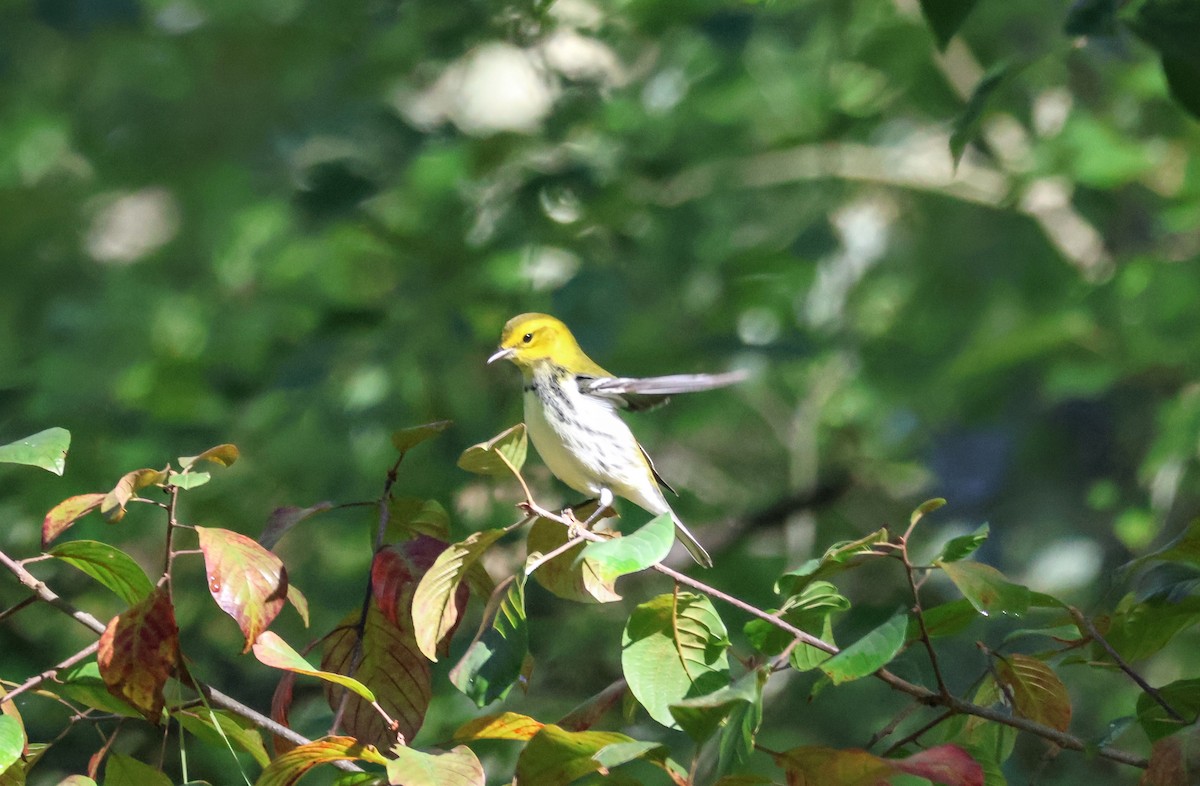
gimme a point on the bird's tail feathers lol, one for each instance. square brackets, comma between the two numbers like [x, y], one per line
[691, 544]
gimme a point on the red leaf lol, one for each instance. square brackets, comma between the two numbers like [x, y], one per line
[281, 704]
[391, 666]
[396, 572]
[138, 651]
[66, 513]
[248, 582]
[947, 764]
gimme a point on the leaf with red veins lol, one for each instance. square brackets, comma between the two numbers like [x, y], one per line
[138, 652]
[248, 582]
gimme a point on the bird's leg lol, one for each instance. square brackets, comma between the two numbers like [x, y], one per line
[604, 503]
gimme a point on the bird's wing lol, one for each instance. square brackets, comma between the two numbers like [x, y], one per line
[640, 393]
[654, 471]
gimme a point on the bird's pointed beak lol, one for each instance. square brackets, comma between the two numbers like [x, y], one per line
[501, 354]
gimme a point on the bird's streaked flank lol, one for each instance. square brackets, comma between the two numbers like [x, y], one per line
[571, 408]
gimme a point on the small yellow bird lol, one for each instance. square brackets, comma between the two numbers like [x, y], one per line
[571, 413]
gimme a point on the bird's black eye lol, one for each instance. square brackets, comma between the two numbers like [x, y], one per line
[527, 337]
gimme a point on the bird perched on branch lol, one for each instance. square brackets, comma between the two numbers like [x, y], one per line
[571, 408]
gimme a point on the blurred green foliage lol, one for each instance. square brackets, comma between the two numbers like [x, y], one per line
[298, 226]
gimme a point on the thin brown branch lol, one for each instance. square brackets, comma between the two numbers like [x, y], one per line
[922, 694]
[916, 735]
[913, 587]
[1086, 624]
[213, 695]
[50, 673]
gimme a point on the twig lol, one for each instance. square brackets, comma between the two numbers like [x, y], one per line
[38, 679]
[213, 695]
[916, 735]
[887, 730]
[1122, 664]
[920, 614]
[924, 695]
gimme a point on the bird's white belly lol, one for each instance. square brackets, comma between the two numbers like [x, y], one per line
[551, 440]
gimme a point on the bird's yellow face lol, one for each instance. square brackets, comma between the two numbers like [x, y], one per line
[530, 338]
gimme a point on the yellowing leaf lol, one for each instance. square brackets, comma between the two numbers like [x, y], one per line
[505, 726]
[1037, 692]
[248, 582]
[434, 608]
[66, 513]
[224, 455]
[278, 654]
[289, 767]
[457, 767]
[112, 507]
[501, 454]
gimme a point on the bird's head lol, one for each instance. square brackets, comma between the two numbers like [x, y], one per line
[532, 338]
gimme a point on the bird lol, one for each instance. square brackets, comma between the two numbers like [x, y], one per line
[571, 415]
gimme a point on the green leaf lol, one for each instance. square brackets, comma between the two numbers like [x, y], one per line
[870, 653]
[557, 757]
[278, 654]
[120, 770]
[964, 545]
[46, 449]
[406, 439]
[810, 611]
[945, 17]
[618, 557]
[966, 125]
[12, 741]
[82, 683]
[289, 767]
[500, 455]
[836, 558]
[1138, 630]
[493, 661]
[108, 565]
[66, 513]
[618, 753]
[411, 517]
[219, 728]
[1182, 695]
[188, 480]
[456, 767]
[946, 619]
[569, 575]
[673, 648]
[924, 509]
[735, 710]
[434, 610]
[987, 589]
[945, 764]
